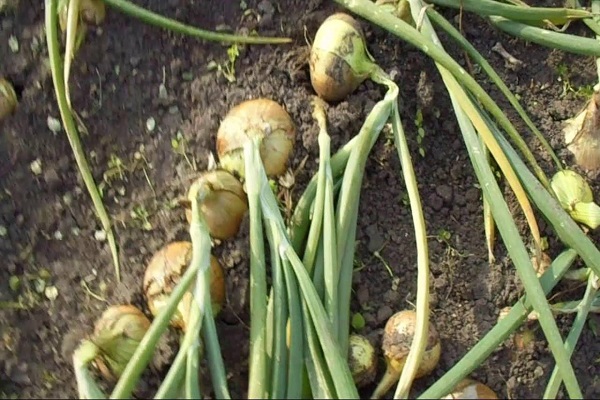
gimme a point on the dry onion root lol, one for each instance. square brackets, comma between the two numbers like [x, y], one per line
[339, 60]
[471, 389]
[117, 334]
[164, 272]
[258, 118]
[225, 204]
[8, 98]
[397, 338]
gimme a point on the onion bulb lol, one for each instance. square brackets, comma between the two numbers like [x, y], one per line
[471, 389]
[117, 334]
[8, 98]
[575, 196]
[164, 272]
[339, 60]
[362, 360]
[225, 205]
[397, 338]
[91, 12]
[258, 118]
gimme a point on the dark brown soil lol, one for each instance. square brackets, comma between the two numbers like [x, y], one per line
[50, 224]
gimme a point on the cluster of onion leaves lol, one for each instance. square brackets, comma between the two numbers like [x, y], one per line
[339, 62]
[182, 377]
[74, 16]
[481, 133]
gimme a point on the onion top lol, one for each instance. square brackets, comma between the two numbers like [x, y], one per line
[164, 272]
[117, 334]
[258, 118]
[398, 336]
[8, 98]
[362, 360]
[224, 206]
[339, 60]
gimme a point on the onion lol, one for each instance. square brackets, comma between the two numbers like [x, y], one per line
[339, 61]
[362, 360]
[225, 205]
[575, 196]
[8, 98]
[397, 338]
[259, 118]
[91, 12]
[471, 389]
[117, 334]
[164, 272]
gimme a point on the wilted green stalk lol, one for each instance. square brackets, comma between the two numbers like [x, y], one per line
[258, 371]
[200, 264]
[584, 308]
[56, 66]
[556, 15]
[398, 27]
[443, 23]
[160, 21]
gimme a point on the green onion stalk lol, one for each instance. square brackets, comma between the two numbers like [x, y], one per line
[307, 313]
[185, 362]
[339, 62]
[183, 373]
[152, 18]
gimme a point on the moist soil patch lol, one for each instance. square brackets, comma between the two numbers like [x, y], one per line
[152, 104]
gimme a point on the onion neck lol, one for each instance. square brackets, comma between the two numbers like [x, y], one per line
[390, 377]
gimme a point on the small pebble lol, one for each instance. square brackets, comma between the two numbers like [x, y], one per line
[13, 43]
[150, 124]
[100, 235]
[53, 124]
[36, 166]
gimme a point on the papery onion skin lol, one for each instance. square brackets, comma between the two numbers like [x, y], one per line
[397, 338]
[471, 389]
[117, 333]
[262, 118]
[164, 272]
[225, 205]
[338, 61]
[8, 98]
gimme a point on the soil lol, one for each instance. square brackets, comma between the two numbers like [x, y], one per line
[57, 274]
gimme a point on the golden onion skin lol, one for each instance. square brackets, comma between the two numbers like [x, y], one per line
[398, 335]
[225, 205]
[471, 389]
[117, 333]
[262, 118]
[164, 272]
[8, 98]
[338, 41]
